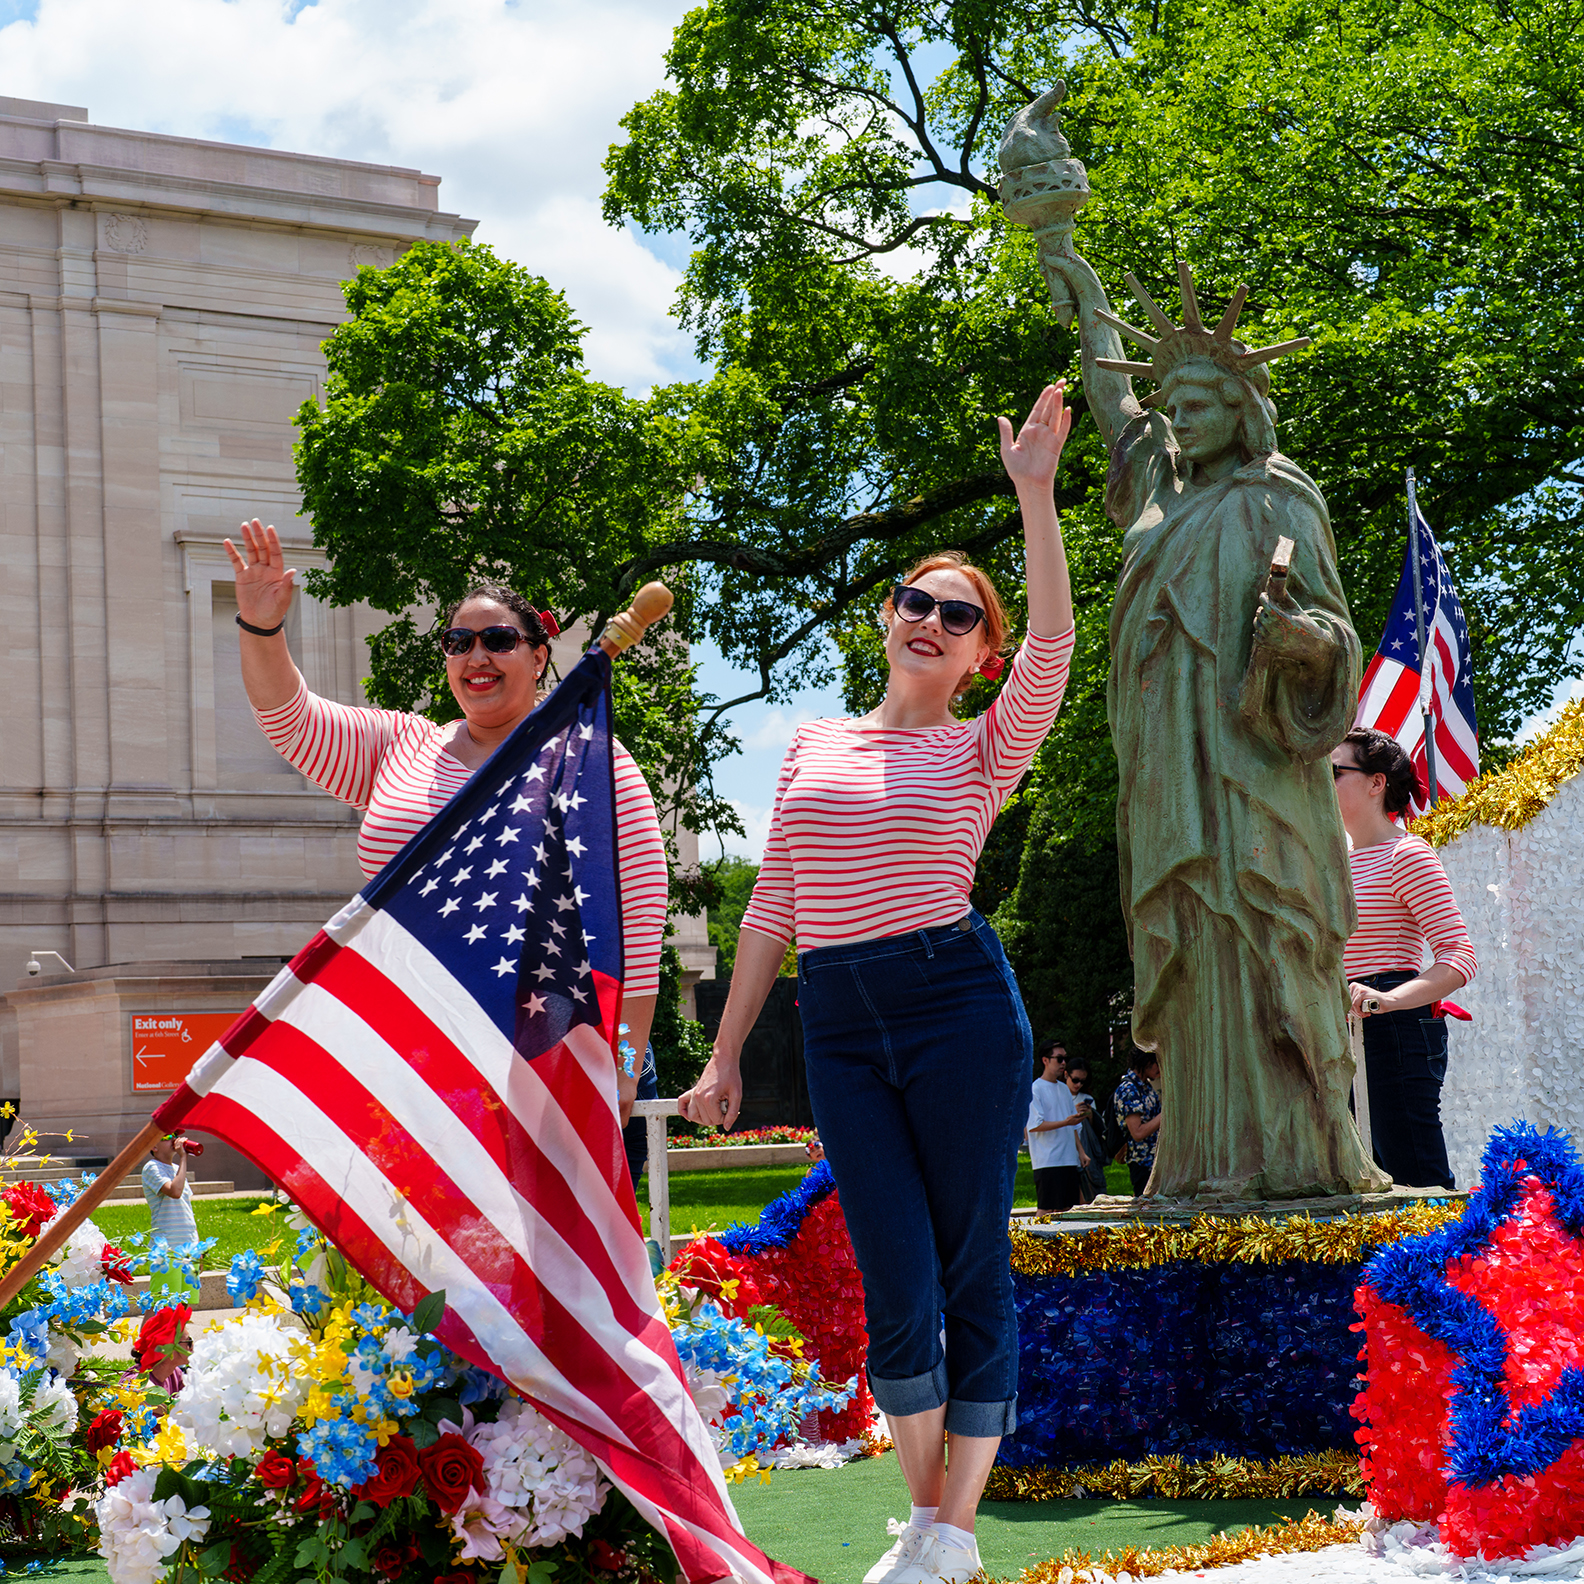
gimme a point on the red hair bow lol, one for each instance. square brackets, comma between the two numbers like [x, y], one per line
[551, 625]
[992, 668]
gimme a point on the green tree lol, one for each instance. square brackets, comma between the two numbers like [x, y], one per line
[733, 880]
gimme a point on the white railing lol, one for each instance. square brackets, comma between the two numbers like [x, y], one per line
[654, 1113]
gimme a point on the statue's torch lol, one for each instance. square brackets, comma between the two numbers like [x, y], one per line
[1043, 187]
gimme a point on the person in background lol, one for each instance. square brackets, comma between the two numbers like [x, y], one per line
[1138, 1107]
[170, 1202]
[1405, 904]
[1091, 1151]
[1053, 1122]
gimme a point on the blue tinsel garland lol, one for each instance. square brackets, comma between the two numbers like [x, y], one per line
[1487, 1439]
[782, 1218]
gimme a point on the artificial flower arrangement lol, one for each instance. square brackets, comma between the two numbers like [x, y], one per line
[713, 1138]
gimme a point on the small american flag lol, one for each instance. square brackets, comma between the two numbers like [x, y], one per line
[1396, 690]
[432, 1081]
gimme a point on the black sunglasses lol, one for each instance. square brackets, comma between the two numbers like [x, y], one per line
[914, 604]
[1338, 771]
[498, 640]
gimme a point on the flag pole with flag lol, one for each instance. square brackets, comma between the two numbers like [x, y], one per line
[432, 1081]
[1419, 687]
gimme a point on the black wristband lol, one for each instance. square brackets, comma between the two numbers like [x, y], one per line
[259, 632]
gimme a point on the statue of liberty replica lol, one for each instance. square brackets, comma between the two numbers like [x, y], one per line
[1234, 673]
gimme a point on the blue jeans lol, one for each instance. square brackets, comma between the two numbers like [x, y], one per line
[1405, 1062]
[918, 1054]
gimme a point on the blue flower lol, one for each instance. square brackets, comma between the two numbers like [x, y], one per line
[306, 1299]
[247, 1272]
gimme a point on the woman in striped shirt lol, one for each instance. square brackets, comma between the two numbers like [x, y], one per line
[1404, 905]
[916, 1043]
[403, 769]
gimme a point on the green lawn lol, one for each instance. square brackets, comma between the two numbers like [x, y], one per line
[229, 1220]
[717, 1199]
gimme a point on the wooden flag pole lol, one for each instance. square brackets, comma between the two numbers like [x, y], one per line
[77, 1212]
[651, 602]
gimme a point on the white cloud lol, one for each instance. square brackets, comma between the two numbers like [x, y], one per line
[756, 831]
[512, 105]
[776, 729]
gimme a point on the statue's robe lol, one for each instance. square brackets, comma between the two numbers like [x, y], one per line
[1234, 865]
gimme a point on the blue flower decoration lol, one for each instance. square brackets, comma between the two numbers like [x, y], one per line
[782, 1218]
[246, 1274]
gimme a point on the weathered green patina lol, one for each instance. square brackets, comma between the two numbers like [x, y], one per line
[1224, 705]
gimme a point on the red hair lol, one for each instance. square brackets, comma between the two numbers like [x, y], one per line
[995, 617]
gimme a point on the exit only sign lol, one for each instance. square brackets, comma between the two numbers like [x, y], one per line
[166, 1044]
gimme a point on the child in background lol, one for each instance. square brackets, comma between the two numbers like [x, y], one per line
[169, 1197]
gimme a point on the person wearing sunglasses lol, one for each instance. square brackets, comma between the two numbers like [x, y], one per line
[402, 769]
[1405, 903]
[916, 1044]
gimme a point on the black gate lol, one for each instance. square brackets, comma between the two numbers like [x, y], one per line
[775, 1089]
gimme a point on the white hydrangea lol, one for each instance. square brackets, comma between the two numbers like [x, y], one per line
[138, 1534]
[81, 1264]
[54, 1402]
[10, 1414]
[539, 1471]
[232, 1400]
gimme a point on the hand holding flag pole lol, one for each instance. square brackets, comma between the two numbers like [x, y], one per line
[650, 603]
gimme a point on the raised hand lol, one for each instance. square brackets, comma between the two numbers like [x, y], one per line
[264, 584]
[1030, 459]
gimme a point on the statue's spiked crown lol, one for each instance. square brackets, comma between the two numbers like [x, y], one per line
[1177, 344]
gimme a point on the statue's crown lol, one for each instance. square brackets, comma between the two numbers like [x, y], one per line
[1177, 344]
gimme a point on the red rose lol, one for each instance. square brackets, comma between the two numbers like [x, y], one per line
[30, 1207]
[105, 1430]
[392, 1558]
[115, 1266]
[275, 1471]
[604, 1555]
[122, 1464]
[451, 1468]
[317, 1496]
[161, 1330]
[461, 1576]
[397, 1464]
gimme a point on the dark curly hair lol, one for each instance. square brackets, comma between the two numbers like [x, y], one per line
[1377, 754]
[531, 621]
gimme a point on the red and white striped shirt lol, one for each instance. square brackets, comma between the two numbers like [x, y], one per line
[1404, 900]
[395, 767]
[877, 831]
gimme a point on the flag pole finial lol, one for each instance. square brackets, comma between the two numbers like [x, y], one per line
[650, 603]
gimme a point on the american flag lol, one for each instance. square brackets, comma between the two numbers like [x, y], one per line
[1395, 689]
[431, 1079]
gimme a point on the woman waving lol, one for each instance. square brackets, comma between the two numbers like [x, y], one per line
[915, 1039]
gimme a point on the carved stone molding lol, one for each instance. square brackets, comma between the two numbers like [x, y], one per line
[366, 255]
[125, 233]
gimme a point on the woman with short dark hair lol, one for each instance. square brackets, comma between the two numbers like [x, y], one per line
[1137, 1102]
[1405, 904]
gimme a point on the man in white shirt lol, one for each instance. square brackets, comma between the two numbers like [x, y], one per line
[1053, 1122]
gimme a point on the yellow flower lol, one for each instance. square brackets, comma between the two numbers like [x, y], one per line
[400, 1384]
[263, 1209]
[171, 1446]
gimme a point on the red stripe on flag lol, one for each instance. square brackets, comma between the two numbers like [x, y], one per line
[281, 1163]
[1452, 755]
[459, 1086]
[307, 963]
[1402, 698]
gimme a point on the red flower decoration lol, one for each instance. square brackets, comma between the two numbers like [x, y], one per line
[317, 1496]
[30, 1207]
[162, 1329]
[105, 1430]
[451, 1468]
[604, 1555]
[460, 1576]
[115, 1265]
[117, 1469]
[397, 1476]
[275, 1471]
[393, 1557]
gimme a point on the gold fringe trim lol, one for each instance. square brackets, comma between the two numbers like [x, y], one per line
[1211, 1240]
[1510, 798]
[1309, 1533]
[1221, 1478]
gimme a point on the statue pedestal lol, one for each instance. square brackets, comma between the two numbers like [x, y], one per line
[1220, 1341]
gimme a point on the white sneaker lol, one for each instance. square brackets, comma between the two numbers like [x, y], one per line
[940, 1562]
[910, 1540]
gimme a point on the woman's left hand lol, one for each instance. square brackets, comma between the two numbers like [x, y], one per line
[1030, 459]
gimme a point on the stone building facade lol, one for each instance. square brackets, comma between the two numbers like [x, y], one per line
[162, 305]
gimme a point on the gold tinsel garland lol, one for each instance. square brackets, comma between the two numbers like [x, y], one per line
[1214, 1240]
[1309, 1533]
[1215, 1479]
[1510, 798]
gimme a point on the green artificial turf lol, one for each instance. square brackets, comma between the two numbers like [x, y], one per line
[831, 1523]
